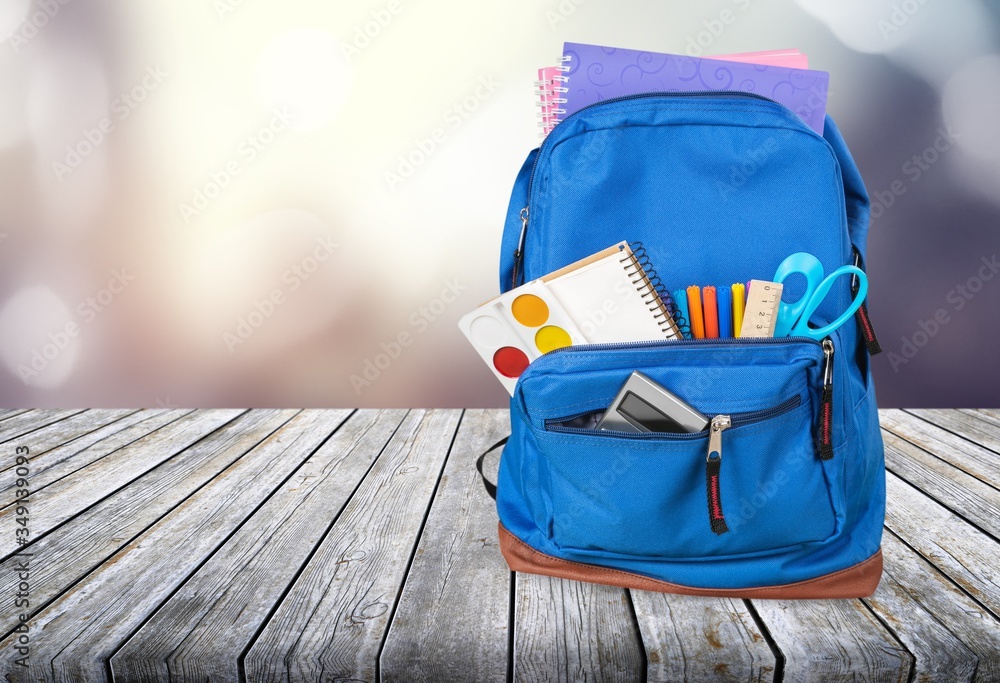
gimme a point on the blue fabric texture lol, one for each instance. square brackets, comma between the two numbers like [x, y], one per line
[719, 189]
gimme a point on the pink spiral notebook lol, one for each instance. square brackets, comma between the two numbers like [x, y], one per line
[592, 73]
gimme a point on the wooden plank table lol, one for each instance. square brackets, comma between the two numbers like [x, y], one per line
[337, 545]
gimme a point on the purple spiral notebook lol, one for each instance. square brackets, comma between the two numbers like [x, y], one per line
[595, 73]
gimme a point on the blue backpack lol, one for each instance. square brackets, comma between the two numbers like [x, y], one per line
[719, 188]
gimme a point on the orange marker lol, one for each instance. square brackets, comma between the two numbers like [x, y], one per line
[694, 308]
[711, 313]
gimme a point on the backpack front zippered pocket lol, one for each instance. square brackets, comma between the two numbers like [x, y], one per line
[753, 483]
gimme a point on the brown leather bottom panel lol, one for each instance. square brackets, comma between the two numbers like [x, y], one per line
[858, 581]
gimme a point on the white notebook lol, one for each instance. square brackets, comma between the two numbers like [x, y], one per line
[610, 296]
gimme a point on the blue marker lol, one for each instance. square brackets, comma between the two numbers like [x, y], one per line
[725, 299]
[681, 301]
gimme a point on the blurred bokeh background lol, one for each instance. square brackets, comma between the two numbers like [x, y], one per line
[205, 202]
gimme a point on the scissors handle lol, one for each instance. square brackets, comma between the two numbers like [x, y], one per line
[808, 266]
[801, 327]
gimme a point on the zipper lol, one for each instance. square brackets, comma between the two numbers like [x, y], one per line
[736, 420]
[826, 404]
[519, 252]
[736, 94]
[713, 472]
[665, 343]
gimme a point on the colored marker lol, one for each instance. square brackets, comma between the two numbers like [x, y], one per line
[681, 301]
[725, 311]
[711, 312]
[739, 304]
[694, 307]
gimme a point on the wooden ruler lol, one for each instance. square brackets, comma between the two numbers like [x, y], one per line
[761, 312]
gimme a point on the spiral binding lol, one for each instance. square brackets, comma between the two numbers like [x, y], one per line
[656, 295]
[551, 97]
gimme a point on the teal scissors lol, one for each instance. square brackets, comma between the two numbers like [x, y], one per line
[793, 318]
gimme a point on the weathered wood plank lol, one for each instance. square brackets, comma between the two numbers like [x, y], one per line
[73, 550]
[58, 462]
[85, 625]
[452, 620]
[68, 496]
[973, 425]
[689, 638]
[978, 461]
[991, 415]
[965, 554]
[963, 493]
[42, 441]
[833, 641]
[200, 633]
[947, 632]
[11, 412]
[331, 624]
[30, 421]
[570, 631]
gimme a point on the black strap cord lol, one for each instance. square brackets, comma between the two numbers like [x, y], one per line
[490, 487]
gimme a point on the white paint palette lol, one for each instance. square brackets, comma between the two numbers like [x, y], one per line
[518, 327]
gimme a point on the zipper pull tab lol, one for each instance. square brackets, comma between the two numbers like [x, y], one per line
[861, 315]
[826, 405]
[713, 472]
[519, 252]
[867, 331]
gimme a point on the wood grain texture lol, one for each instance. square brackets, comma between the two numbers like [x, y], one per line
[11, 412]
[331, 624]
[965, 554]
[949, 635]
[975, 500]
[60, 461]
[569, 631]
[977, 426]
[85, 625]
[978, 630]
[95, 535]
[200, 633]
[833, 641]
[689, 638]
[66, 497]
[451, 623]
[978, 461]
[29, 421]
[63, 432]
